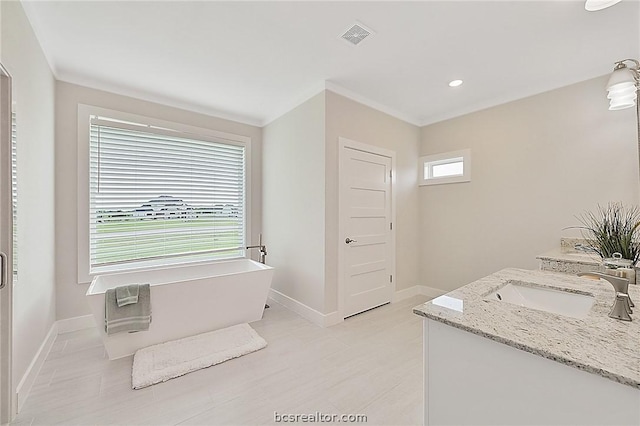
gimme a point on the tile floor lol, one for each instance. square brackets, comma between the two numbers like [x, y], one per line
[371, 364]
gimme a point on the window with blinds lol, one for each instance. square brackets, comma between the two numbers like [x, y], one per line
[162, 195]
[14, 194]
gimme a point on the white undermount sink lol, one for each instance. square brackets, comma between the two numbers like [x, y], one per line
[544, 299]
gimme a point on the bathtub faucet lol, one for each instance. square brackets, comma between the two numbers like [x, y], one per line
[262, 248]
[263, 253]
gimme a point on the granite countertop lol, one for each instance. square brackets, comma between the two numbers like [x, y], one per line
[572, 256]
[596, 344]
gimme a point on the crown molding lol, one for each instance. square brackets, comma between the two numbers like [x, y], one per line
[295, 102]
[347, 93]
[158, 99]
[340, 90]
[27, 7]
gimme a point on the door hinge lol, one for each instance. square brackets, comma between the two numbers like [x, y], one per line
[390, 278]
[391, 174]
[391, 226]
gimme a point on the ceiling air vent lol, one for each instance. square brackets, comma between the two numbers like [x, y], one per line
[356, 34]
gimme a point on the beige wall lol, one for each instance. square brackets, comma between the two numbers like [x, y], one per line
[70, 300]
[293, 218]
[300, 183]
[536, 163]
[33, 93]
[355, 121]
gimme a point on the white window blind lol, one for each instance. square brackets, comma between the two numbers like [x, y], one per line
[14, 194]
[161, 195]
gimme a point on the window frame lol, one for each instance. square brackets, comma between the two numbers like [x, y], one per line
[429, 161]
[85, 273]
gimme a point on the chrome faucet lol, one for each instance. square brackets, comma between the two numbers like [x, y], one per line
[261, 247]
[622, 305]
[263, 253]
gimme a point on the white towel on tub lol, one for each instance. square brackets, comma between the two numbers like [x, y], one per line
[127, 294]
[130, 318]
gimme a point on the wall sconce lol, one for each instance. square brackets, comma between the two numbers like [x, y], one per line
[623, 85]
[595, 5]
[623, 88]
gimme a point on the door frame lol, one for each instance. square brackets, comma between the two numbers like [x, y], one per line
[344, 143]
[7, 394]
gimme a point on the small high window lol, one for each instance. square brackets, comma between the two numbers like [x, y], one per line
[448, 167]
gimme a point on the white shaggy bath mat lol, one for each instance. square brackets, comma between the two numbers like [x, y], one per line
[159, 363]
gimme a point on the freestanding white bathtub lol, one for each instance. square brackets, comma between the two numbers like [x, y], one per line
[186, 300]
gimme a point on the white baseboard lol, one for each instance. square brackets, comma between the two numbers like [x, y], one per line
[333, 318]
[415, 291]
[24, 387]
[76, 323]
[59, 327]
[432, 292]
[318, 318]
[405, 294]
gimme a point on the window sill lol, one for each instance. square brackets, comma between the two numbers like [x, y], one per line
[153, 265]
[445, 180]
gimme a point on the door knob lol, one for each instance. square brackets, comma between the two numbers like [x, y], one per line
[349, 241]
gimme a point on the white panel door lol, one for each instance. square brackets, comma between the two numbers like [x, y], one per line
[365, 185]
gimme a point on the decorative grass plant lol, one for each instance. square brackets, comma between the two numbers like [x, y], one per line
[614, 228]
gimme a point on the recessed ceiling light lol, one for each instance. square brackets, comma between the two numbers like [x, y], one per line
[455, 83]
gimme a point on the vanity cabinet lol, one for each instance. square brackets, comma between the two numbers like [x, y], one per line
[492, 360]
[473, 380]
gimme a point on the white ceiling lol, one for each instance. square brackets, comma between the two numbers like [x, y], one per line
[253, 61]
